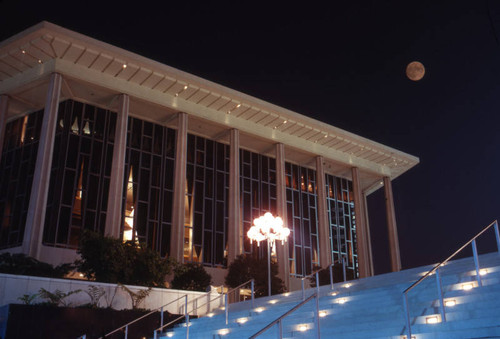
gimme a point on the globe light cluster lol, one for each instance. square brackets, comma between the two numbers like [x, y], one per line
[268, 227]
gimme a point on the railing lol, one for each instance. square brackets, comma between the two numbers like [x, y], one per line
[316, 273]
[144, 316]
[208, 303]
[279, 321]
[438, 278]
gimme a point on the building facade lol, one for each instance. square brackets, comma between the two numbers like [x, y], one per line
[94, 137]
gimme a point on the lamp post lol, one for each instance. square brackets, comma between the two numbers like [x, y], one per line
[271, 229]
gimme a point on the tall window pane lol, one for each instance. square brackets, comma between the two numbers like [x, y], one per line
[207, 190]
[17, 166]
[80, 173]
[148, 185]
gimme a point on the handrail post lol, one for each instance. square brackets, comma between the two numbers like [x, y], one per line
[343, 268]
[497, 235]
[317, 316]
[208, 302]
[331, 276]
[407, 315]
[253, 288]
[440, 294]
[303, 291]
[161, 319]
[186, 314]
[317, 283]
[154, 334]
[280, 325]
[226, 308]
[476, 263]
[126, 332]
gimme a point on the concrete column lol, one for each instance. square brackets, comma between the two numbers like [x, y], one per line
[361, 232]
[391, 226]
[4, 107]
[35, 219]
[234, 230]
[282, 250]
[325, 251]
[114, 214]
[178, 206]
[368, 236]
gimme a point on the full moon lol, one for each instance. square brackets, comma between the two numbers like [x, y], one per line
[415, 70]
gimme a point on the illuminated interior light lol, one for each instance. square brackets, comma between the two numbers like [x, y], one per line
[285, 121]
[326, 136]
[259, 309]
[185, 87]
[483, 271]
[223, 331]
[342, 301]
[238, 106]
[450, 303]
[241, 320]
[467, 287]
[23, 51]
[124, 66]
[274, 301]
[323, 314]
[432, 320]
[39, 61]
[170, 334]
[302, 328]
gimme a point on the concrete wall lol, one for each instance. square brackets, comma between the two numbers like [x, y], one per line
[14, 286]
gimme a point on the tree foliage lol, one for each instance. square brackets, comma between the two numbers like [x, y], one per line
[24, 265]
[324, 275]
[249, 267]
[191, 277]
[110, 260]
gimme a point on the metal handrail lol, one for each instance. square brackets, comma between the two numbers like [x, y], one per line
[141, 317]
[317, 277]
[435, 269]
[293, 309]
[163, 326]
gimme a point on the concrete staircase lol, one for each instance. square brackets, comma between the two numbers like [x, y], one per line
[372, 308]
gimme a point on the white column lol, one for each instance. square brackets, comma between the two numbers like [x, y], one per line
[178, 206]
[391, 226]
[115, 195]
[361, 232]
[282, 250]
[234, 231]
[4, 107]
[35, 219]
[368, 235]
[325, 251]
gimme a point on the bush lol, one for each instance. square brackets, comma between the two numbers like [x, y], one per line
[110, 260]
[24, 265]
[191, 277]
[249, 267]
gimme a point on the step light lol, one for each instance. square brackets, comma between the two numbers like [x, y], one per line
[241, 321]
[333, 293]
[412, 337]
[274, 301]
[223, 331]
[302, 327]
[483, 271]
[432, 319]
[259, 309]
[347, 285]
[341, 301]
[170, 334]
[468, 286]
[450, 303]
[210, 315]
[286, 294]
[322, 314]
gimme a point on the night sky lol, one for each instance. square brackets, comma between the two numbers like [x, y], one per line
[345, 65]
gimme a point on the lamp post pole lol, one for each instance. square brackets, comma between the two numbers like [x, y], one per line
[271, 229]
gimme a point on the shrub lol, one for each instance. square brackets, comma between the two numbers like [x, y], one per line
[24, 265]
[110, 260]
[249, 267]
[191, 277]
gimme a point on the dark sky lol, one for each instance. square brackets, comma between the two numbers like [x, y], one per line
[343, 64]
